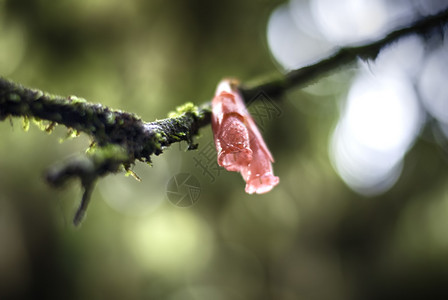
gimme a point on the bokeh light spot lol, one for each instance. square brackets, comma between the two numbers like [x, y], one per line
[290, 45]
[381, 120]
[170, 241]
[350, 21]
[432, 85]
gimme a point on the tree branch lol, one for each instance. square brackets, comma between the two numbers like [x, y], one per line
[303, 76]
[119, 138]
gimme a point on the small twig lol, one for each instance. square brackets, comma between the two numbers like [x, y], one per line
[81, 211]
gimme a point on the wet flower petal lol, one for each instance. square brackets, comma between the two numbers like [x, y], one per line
[238, 141]
[258, 173]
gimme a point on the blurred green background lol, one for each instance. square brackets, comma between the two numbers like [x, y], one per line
[310, 238]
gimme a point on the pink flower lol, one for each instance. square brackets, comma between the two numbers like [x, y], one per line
[238, 141]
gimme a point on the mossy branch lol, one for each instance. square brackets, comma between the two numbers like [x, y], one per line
[119, 138]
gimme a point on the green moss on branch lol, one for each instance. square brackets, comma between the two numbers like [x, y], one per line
[118, 138]
[104, 125]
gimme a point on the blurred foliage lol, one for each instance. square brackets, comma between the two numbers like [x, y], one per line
[310, 238]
